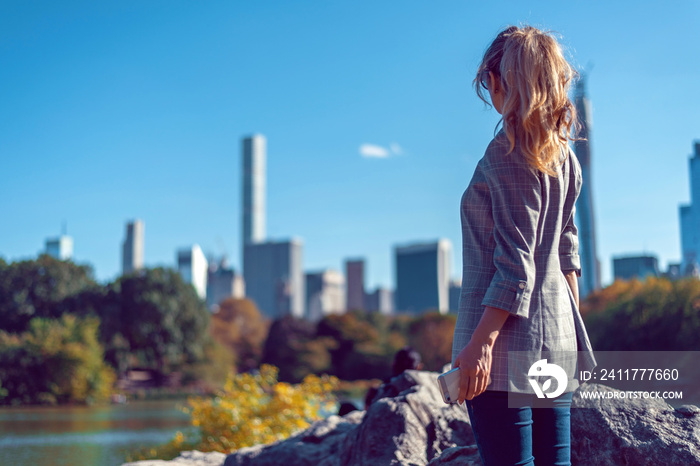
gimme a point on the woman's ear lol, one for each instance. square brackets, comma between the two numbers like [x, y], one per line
[494, 84]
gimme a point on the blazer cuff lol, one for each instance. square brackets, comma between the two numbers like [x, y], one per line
[570, 262]
[514, 299]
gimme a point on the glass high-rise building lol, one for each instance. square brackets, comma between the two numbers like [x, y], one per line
[222, 283]
[274, 277]
[585, 214]
[132, 248]
[629, 267]
[60, 248]
[690, 219]
[423, 277]
[272, 270]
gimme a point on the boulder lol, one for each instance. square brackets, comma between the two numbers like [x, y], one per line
[408, 424]
[632, 431]
[186, 458]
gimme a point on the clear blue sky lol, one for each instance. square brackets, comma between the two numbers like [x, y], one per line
[117, 110]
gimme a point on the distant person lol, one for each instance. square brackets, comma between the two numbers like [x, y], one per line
[520, 252]
[406, 358]
[346, 407]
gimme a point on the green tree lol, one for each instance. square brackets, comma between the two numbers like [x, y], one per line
[360, 350]
[292, 346]
[54, 361]
[153, 319]
[45, 287]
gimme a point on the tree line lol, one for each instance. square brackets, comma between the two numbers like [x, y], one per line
[656, 314]
[66, 338]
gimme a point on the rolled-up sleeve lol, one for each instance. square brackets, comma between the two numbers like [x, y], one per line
[568, 248]
[516, 204]
[568, 242]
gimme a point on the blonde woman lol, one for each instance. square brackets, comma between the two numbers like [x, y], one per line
[520, 252]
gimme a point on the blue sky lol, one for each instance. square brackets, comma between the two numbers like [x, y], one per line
[117, 110]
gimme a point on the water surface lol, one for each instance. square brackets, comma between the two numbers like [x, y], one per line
[74, 436]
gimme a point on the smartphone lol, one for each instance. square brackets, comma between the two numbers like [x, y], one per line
[449, 385]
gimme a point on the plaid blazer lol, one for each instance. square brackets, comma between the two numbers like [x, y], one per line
[518, 237]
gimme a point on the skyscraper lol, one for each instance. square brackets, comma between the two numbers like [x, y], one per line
[254, 175]
[423, 276]
[193, 267]
[325, 294]
[274, 277]
[355, 273]
[455, 295]
[690, 218]
[132, 248]
[380, 300]
[60, 248]
[585, 218]
[222, 282]
[629, 267]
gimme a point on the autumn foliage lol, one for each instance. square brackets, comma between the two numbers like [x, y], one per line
[253, 408]
[654, 315]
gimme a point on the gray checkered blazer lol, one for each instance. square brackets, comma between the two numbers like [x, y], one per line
[518, 236]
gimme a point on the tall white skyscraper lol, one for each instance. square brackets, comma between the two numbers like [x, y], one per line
[423, 277]
[132, 248]
[60, 248]
[193, 267]
[254, 176]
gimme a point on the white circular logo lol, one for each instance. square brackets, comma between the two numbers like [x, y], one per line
[542, 368]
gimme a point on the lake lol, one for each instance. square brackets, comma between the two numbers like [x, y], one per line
[77, 436]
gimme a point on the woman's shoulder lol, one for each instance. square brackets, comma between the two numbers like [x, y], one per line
[498, 147]
[571, 164]
[499, 154]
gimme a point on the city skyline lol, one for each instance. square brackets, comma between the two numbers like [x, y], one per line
[372, 136]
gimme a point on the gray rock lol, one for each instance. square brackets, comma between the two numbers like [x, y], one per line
[408, 424]
[632, 431]
[186, 458]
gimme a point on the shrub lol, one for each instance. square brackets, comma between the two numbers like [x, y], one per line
[252, 409]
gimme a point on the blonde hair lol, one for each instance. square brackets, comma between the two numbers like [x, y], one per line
[537, 113]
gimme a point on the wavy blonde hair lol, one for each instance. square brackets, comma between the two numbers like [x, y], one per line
[538, 115]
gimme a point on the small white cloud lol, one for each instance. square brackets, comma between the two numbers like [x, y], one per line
[395, 148]
[372, 150]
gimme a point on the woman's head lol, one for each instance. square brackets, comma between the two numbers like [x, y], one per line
[529, 80]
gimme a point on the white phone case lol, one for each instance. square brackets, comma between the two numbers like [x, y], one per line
[449, 385]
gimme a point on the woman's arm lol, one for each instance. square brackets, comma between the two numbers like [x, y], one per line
[474, 360]
[572, 280]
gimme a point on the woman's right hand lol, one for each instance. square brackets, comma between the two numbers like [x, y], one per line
[474, 362]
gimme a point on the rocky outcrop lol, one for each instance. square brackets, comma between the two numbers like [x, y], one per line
[408, 424]
[632, 431]
[186, 458]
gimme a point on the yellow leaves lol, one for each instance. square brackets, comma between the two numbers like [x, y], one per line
[252, 409]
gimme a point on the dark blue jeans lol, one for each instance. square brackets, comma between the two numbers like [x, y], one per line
[528, 435]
